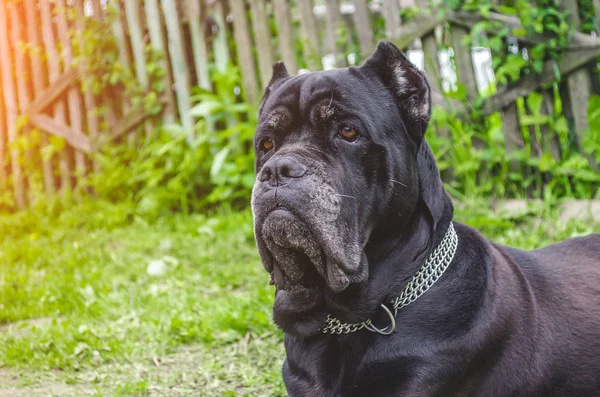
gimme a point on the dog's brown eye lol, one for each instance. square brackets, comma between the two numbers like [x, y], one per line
[349, 134]
[266, 144]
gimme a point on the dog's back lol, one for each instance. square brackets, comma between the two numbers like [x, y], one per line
[565, 284]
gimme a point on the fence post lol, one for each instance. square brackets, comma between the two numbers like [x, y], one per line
[10, 100]
[59, 111]
[579, 83]
[89, 99]
[310, 36]
[262, 35]
[391, 14]
[3, 135]
[198, 44]
[333, 23]
[431, 61]
[244, 51]
[286, 35]
[73, 99]
[178, 63]
[155, 30]
[362, 19]
[220, 46]
[39, 82]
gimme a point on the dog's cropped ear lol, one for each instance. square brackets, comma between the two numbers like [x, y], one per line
[407, 84]
[279, 73]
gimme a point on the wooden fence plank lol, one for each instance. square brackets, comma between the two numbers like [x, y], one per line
[120, 35]
[579, 83]
[198, 44]
[178, 63]
[74, 104]
[3, 134]
[286, 36]
[136, 39]
[513, 139]
[245, 57]
[310, 36]
[73, 99]
[155, 30]
[391, 14]
[38, 82]
[597, 13]
[15, 12]
[262, 35]
[569, 62]
[431, 61]
[53, 63]
[51, 94]
[10, 99]
[89, 99]
[220, 46]
[464, 61]
[134, 27]
[76, 138]
[333, 24]
[364, 26]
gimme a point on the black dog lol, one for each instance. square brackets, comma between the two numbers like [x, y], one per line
[377, 292]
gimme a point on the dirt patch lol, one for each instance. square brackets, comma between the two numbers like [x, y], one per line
[13, 384]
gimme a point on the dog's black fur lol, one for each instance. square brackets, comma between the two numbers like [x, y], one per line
[343, 225]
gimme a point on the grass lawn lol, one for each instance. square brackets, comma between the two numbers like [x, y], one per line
[177, 307]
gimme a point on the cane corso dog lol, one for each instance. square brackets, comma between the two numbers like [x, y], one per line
[378, 291]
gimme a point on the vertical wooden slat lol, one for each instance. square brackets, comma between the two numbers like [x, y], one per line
[10, 99]
[178, 64]
[89, 100]
[3, 134]
[120, 35]
[39, 82]
[512, 132]
[262, 34]
[431, 61]
[549, 139]
[391, 14]
[135, 28]
[58, 109]
[198, 44]
[579, 82]
[333, 23]
[155, 31]
[243, 41]
[132, 8]
[285, 34]
[73, 99]
[362, 19]
[220, 46]
[15, 12]
[464, 61]
[310, 36]
[597, 10]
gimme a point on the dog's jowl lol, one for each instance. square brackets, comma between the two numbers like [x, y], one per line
[378, 291]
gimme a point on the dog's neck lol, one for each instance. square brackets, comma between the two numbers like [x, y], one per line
[393, 258]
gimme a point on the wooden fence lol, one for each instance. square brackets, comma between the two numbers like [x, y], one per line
[38, 79]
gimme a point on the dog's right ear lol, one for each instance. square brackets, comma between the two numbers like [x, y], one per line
[279, 73]
[406, 83]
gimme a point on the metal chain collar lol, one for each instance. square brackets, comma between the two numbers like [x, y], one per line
[430, 272]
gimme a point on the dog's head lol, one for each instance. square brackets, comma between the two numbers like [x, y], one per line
[339, 156]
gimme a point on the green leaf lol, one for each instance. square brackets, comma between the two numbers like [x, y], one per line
[546, 162]
[218, 162]
[206, 108]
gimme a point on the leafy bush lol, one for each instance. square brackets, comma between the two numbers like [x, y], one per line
[179, 170]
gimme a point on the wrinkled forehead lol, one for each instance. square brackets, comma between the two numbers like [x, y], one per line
[318, 95]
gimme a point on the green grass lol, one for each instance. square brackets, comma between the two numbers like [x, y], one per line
[78, 309]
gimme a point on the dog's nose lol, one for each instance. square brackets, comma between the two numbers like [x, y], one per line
[281, 168]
